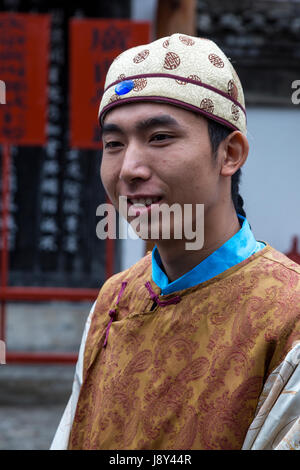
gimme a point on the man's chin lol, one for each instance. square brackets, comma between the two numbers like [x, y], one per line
[152, 232]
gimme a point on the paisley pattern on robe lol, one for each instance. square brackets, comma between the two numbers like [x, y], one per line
[185, 375]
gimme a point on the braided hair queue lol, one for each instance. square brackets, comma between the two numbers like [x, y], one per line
[217, 133]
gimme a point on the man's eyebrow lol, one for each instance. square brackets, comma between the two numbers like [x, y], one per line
[106, 128]
[156, 121]
[145, 124]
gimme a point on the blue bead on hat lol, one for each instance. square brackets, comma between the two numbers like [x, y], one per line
[124, 87]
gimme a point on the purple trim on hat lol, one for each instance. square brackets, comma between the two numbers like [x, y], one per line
[183, 79]
[181, 104]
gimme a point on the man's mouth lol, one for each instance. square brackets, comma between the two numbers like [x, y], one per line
[143, 201]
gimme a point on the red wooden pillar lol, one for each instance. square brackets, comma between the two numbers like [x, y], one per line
[175, 16]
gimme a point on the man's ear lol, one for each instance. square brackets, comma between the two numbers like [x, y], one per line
[234, 150]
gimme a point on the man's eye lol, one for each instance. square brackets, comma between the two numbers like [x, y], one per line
[112, 144]
[160, 137]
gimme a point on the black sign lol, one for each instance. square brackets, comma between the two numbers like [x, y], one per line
[55, 190]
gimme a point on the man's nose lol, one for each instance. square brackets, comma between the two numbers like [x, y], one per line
[135, 164]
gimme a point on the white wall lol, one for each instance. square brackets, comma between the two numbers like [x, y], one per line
[271, 176]
[144, 10]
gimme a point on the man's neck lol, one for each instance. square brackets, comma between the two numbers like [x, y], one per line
[177, 260]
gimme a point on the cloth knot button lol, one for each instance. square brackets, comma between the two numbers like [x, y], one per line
[161, 303]
[124, 87]
[112, 313]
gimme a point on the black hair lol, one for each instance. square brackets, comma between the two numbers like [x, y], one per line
[217, 133]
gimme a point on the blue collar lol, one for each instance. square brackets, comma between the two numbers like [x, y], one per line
[234, 251]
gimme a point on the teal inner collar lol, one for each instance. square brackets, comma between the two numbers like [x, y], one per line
[234, 251]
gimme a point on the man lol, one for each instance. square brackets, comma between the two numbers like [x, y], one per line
[188, 347]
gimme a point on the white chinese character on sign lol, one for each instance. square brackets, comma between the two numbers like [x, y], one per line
[13, 207]
[52, 147]
[73, 170]
[48, 243]
[73, 154]
[71, 244]
[49, 225]
[11, 223]
[71, 223]
[53, 130]
[54, 113]
[56, 35]
[57, 55]
[51, 167]
[49, 204]
[50, 185]
[72, 189]
[55, 95]
[53, 74]
[71, 206]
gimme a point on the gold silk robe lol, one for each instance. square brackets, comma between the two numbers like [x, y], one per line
[186, 374]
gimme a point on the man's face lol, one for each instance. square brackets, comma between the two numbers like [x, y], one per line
[158, 152]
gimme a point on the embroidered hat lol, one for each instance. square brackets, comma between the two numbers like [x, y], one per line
[182, 70]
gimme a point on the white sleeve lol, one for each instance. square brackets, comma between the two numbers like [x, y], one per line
[276, 425]
[61, 438]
